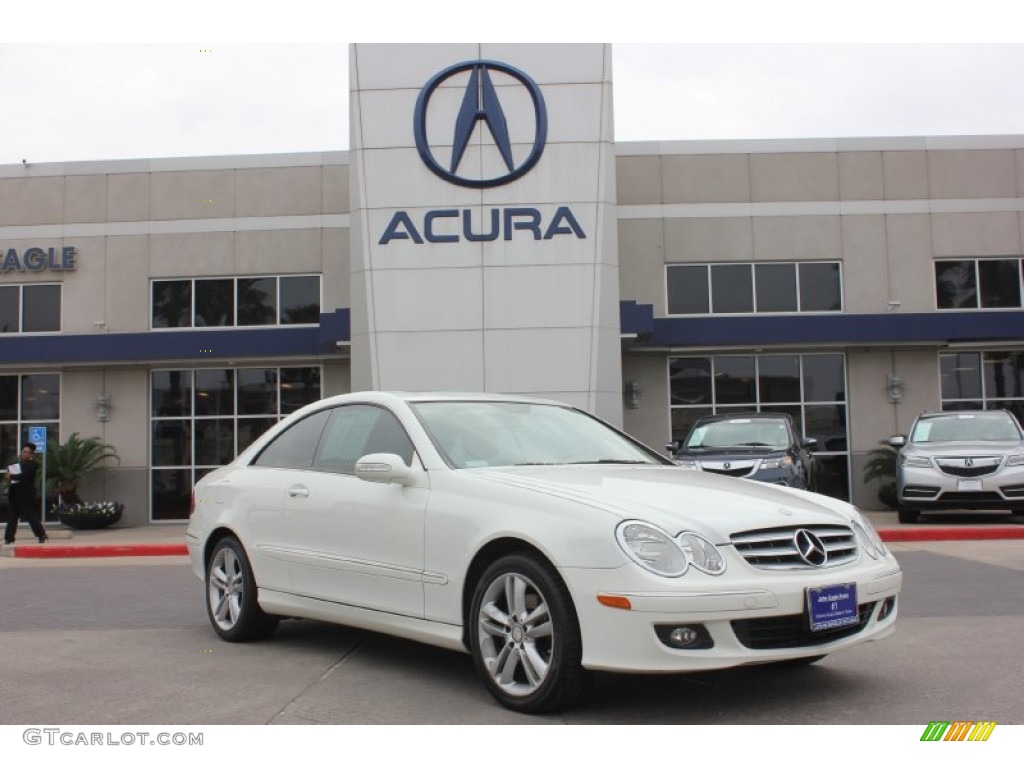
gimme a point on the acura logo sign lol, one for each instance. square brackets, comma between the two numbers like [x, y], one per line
[809, 547]
[480, 105]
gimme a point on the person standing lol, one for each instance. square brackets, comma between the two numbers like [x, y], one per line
[22, 496]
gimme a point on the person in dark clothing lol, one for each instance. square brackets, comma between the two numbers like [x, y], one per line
[22, 502]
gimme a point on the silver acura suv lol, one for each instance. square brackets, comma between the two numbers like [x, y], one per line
[970, 460]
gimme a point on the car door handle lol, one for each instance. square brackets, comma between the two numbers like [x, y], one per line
[298, 490]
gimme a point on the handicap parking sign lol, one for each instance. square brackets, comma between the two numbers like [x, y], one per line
[37, 435]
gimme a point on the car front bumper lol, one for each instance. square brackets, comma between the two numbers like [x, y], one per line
[926, 488]
[756, 619]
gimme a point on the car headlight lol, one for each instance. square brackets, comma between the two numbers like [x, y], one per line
[702, 554]
[779, 463]
[915, 461]
[654, 550]
[869, 538]
[1015, 460]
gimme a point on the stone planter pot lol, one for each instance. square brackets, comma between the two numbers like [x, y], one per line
[90, 517]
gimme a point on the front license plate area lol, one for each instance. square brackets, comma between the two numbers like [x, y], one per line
[968, 485]
[832, 606]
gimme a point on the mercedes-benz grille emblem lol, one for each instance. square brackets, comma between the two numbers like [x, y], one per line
[728, 465]
[480, 103]
[810, 548]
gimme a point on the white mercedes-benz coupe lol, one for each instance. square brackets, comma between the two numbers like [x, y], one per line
[536, 537]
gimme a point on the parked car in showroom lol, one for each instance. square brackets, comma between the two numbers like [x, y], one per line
[964, 460]
[759, 446]
[533, 536]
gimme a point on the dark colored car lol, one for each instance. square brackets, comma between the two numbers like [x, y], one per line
[759, 446]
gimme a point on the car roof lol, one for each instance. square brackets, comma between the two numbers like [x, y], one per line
[741, 415]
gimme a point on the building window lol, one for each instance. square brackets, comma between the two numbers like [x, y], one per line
[735, 289]
[232, 302]
[811, 388]
[32, 308]
[977, 284]
[202, 418]
[27, 400]
[973, 380]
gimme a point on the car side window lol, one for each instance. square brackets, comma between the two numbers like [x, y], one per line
[357, 430]
[294, 448]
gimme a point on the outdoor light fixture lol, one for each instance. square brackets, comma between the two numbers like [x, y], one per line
[895, 386]
[632, 392]
[102, 407]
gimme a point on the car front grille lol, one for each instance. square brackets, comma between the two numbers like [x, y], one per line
[792, 631]
[740, 472]
[973, 466]
[776, 548]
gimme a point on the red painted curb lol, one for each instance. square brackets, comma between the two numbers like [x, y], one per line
[914, 533]
[98, 550]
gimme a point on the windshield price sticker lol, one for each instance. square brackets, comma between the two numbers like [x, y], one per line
[833, 606]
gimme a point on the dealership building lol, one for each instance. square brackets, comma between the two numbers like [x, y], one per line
[485, 232]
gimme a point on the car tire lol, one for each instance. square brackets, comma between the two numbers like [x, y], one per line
[231, 595]
[525, 637]
[907, 516]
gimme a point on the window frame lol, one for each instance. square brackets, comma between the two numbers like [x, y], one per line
[753, 265]
[975, 262]
[21, 308]
[192, 281]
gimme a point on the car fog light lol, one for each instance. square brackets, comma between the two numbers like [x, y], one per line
[682, 636]
[688, 637]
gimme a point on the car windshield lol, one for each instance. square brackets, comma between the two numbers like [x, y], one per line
[739, 433]
[488, 434]
[965, 426]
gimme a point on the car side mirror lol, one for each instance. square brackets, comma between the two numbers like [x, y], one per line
[810, 443]
[383, 468]
[896, 441]
[672, 447]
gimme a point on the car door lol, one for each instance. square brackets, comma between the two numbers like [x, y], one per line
[353, 541]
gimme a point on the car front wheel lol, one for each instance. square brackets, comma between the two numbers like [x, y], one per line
[525, 639]
[231, 595]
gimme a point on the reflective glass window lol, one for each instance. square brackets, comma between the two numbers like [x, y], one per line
[215, 392]
[824, 378]
[776, 287]
[778, 378]
[172, 303]
[999, 283]
[40, 308]
[294, 448]
[955, 286]
[300, 300]
[820, 287]
[735, 381]
[257, 301]
[215, 303]
[690, 380]
[961, 375]
[687, 289]
[732, 288]
[10, 308]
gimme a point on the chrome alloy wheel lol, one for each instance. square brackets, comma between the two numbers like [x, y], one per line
[515, 634]
[226, 588]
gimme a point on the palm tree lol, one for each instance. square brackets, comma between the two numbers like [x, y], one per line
[881, 465]
[69, 464]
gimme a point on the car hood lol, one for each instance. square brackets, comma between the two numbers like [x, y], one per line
[966, 447]
[724, 454]
[676, 499]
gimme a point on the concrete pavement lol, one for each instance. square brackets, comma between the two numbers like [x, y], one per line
[168, 539]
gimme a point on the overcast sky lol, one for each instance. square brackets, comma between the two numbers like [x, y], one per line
[107, 91]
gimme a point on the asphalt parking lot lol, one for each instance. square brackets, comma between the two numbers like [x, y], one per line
[126, 641]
